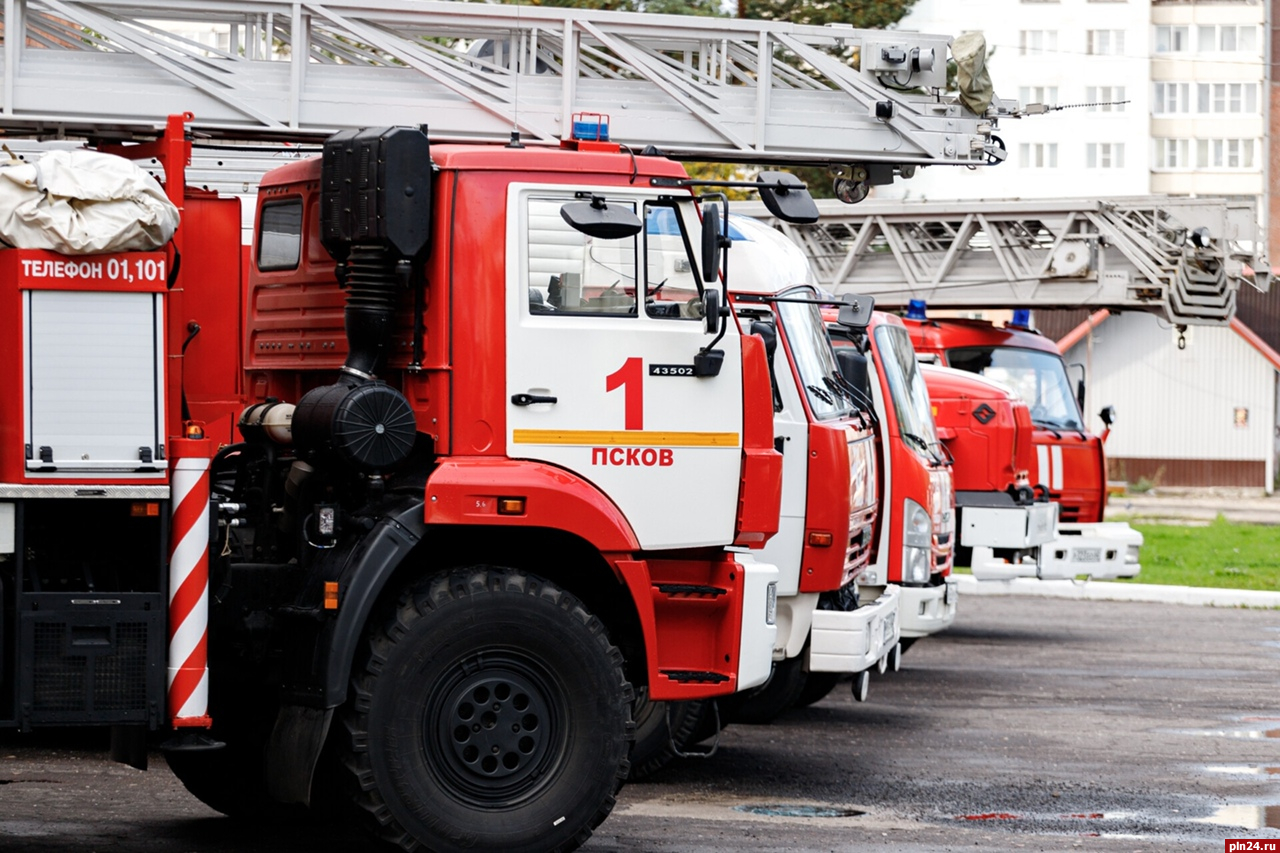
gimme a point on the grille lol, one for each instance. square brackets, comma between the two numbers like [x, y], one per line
[93, 664]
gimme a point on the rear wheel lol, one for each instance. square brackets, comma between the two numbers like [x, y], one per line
[490, 712]
[659, 725]
[816, 688]
[778, 694]
[231, 780]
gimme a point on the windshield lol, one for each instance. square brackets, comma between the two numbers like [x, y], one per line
[814, 360]
[1039, 378]
[897, 358]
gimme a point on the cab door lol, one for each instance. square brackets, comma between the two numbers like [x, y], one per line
[600, 370]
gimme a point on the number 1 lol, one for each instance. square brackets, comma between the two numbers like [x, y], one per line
[630, 377]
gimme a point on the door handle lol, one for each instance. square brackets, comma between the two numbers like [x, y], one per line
[530, 399]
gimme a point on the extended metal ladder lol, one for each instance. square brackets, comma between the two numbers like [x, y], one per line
[1143, 253]
[697, 88]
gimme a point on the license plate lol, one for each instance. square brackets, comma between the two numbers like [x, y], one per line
[1086, 555]
[888, 627]
[948, 594]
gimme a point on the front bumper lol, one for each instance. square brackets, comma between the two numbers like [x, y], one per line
[759, 621]
[1102, 551]
[927, 610]
[855, 640]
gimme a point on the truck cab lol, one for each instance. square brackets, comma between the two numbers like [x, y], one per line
[916, 539]
[1070, 460]
[830, 495]
[987, 432]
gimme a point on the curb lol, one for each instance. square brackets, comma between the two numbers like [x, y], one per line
[1103, 591]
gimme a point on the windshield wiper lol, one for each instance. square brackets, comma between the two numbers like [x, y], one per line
[822, 394]
[837, 388]
[860, 401]
[925, 446]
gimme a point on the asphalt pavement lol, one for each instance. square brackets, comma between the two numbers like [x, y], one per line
[1032, 724]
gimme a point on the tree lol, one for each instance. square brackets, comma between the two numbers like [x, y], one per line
[862, 14]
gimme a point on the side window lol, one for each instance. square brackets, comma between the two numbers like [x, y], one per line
[670, 288]
[571, 273]
[280, 235]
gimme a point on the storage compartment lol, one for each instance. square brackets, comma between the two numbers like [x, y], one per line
[93, 545]
[92, 659]
[94, 382]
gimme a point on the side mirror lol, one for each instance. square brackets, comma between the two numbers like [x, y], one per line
[597, 219]
[767, 333]
[710, 310]
[853, 367]
[1079, 386]
[1108, 415]
[855, 312]
[710, 243]
[787, 197]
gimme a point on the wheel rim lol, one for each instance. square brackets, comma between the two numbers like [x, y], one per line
[495, 735]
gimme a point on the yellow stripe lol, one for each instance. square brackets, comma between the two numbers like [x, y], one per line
[624, 438]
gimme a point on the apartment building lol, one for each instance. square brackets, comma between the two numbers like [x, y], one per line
[1174, 94]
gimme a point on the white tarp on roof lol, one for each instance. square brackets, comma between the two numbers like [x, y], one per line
[83, 202]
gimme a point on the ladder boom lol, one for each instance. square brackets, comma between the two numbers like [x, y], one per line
[1181, 257]
[716, 89]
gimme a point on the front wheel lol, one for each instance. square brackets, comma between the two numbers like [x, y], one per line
[490, 712]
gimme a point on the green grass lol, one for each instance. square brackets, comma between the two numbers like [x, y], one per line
[1221, 554]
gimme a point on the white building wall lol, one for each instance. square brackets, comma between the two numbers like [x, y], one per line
[1214, 143]
[1178, 404]
[1061, 71]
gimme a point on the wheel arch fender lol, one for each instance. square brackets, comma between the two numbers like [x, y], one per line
[362, 566]
[370, 563]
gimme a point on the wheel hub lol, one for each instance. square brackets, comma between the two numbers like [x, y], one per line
[496, 731]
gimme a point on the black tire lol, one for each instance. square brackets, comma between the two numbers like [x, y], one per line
[232, 780]
[710, 724]
[907, 642]
[658, 724]
[816, 688]
[490, 712]
[228, 780]
[766, 703]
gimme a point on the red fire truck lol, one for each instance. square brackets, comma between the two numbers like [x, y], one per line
[437, 439]
[1070, 463]
[987, 432]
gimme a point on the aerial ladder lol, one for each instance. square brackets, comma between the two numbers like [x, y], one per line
[870, 103]
[1182, 258]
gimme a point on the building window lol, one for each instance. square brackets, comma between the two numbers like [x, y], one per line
[1038, 95]
[1224, 153]
[1104, 99]
[1172, 98]
[1038, 155]
[1227, 38]
[1104, 42]
[1104, 155]
[1173, 154]
[1227, 98]
[1173, 39]
[1037, 41]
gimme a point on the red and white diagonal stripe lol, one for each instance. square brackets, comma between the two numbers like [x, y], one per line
[189, 585]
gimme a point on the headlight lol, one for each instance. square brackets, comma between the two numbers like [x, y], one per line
[915, 565]
[940, 500]
[917, 530]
